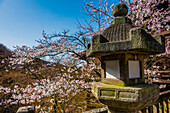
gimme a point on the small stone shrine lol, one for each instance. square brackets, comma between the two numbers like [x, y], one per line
[26, 109]
[122, 48]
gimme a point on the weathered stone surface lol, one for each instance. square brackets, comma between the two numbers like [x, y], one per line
[26, 109]
[125, 38]
[125, 98]
[117, 32]
[120, 20]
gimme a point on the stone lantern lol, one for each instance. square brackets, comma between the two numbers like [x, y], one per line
[122, 48]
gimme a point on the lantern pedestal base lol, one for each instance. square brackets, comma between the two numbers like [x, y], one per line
[125, 99]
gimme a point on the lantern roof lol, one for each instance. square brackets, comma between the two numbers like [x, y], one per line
[123, 37]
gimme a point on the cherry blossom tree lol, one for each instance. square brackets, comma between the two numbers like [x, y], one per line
[100, 17]
[66, 50]
[152, 15]
[48, 95]
[65, 47]
[62, 90]
[76, 70]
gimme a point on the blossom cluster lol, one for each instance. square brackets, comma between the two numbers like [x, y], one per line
[64, 87]
[154, 73]
[27, 54]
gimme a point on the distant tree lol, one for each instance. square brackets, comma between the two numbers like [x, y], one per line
[4, 53]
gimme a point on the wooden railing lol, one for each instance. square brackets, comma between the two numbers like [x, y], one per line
[162, 105]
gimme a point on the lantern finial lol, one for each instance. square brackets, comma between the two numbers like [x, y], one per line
[120, 10]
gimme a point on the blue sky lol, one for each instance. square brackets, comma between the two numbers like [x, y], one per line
[22, 21]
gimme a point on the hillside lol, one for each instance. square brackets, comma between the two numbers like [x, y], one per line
[4, 52]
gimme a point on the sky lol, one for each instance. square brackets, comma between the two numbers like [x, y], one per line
[22, 21]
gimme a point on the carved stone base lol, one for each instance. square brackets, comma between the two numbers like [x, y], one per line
[125, 99]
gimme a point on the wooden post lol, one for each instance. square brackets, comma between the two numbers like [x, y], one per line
[150, 109]
[157, 107]
[143, 110]
[162, 106]
[167, 106]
